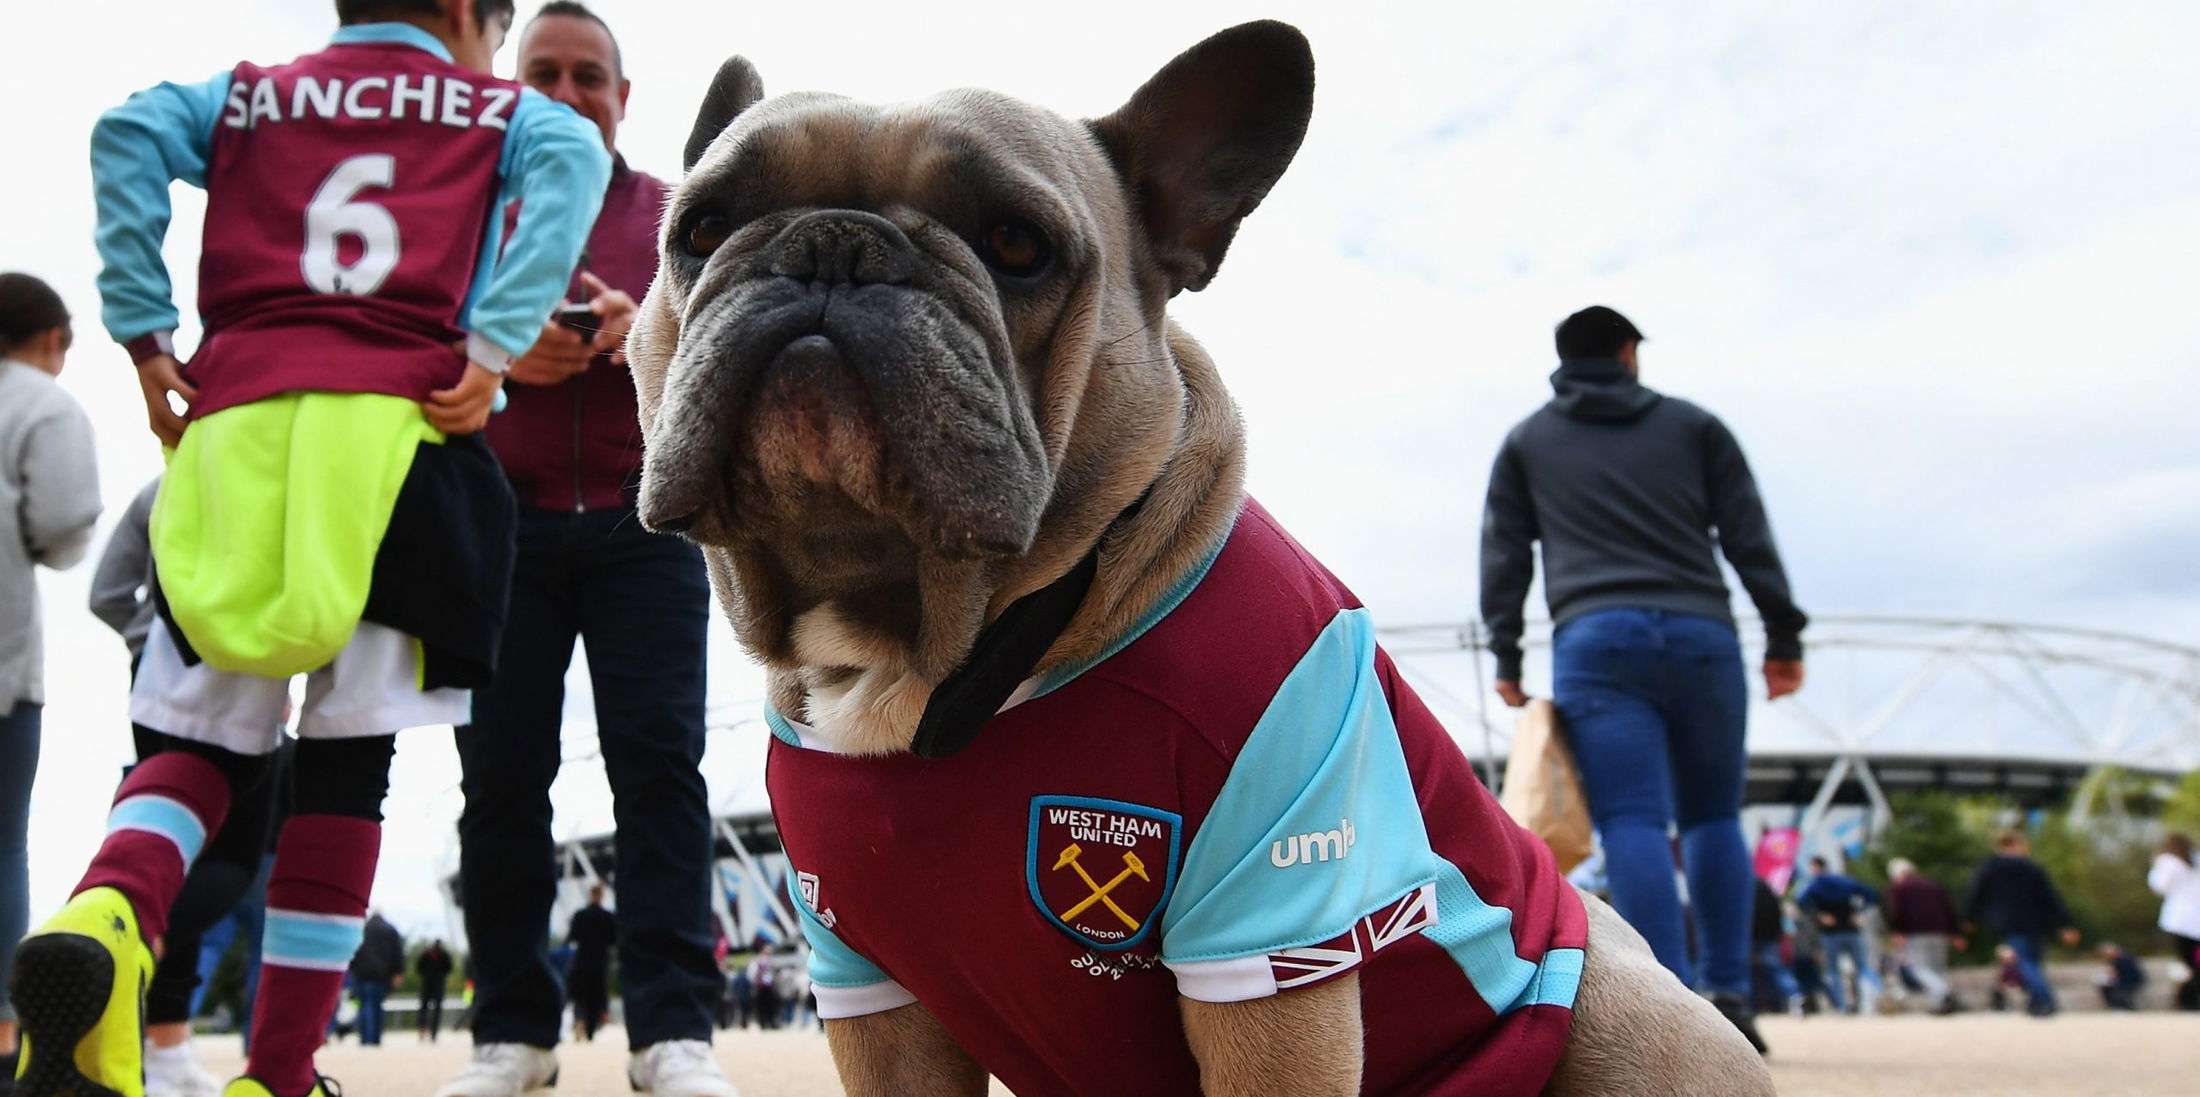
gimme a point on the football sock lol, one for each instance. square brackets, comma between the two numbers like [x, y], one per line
[316, 913]
[162, 815]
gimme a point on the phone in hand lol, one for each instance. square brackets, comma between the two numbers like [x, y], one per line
[580, 318]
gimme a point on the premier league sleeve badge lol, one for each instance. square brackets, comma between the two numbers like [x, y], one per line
[1102, 870]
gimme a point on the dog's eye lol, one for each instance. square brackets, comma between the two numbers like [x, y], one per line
[706, 233]
[1015, 248]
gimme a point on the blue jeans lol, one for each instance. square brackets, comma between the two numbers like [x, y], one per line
[371, 994]
[19, 727]
[2029, 956]
[1776, 970]
[1851, 945]
[1654, 707]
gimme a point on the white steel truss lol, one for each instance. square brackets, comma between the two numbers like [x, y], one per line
[1918, 697]
[1883, 687]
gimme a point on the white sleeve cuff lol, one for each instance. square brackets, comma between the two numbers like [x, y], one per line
[837, 1003]
[1241, 979]
[488, 355]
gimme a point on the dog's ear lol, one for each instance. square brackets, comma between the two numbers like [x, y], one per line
[736, 88]
[1202, 142]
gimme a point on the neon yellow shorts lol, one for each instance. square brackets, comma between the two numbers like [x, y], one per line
[268, 521]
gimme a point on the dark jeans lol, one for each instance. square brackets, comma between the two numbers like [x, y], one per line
[431, 1015]
[19, 731]
[591, 996]
[371, 994]
[2029, 956]
[641, 603]
[1654, 708]
[2188, 952]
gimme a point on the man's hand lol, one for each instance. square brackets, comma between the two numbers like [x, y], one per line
[464, 408]
[1827, 920]
[559, 352]
[1782, 677]
[1959, 942]
[615, 316]
[157, 377]
[1509, 691]
[2070, 937]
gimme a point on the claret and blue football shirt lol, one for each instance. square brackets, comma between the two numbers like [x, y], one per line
[1241, 799]
[351, 241]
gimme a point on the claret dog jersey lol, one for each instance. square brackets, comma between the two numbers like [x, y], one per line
[349, 241]
[1242, 799]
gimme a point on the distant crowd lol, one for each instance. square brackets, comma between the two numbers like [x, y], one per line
[1839, 945]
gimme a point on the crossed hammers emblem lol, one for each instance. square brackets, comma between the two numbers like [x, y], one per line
[1132, 866]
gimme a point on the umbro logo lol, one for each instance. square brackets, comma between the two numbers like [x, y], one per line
[1320, 845]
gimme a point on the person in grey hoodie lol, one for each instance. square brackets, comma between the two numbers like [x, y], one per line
[122, 583]
[1631, 493]
[49, 499]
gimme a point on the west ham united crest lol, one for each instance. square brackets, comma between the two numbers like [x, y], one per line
[1102, 870]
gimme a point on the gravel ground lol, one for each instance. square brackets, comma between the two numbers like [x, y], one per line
[1992, 1055]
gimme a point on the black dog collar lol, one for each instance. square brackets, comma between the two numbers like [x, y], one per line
[1000, 661]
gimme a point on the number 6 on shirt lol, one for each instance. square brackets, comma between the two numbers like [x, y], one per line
[333, 214]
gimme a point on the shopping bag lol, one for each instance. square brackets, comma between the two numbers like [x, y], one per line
[1543, 790]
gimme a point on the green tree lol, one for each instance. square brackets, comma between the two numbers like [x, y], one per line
[1945, 835]
[2100, 866]
[2182, 811]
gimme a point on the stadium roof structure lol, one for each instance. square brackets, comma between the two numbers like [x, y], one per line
[1890, 703]
[1896, 702]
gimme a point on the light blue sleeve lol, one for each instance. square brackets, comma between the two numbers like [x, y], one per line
[555, 166]
[832, 963]
[158, 136]
[1317, 825]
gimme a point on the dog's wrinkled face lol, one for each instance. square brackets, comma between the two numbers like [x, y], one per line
[866, 295]
[902, 362]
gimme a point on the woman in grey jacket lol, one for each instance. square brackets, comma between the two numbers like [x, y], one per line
[49, 499]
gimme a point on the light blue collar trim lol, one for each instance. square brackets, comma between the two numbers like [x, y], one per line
[404, 34]
[782, 729]
[1170, 599]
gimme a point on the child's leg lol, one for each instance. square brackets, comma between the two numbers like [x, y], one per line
[317, 903]
[325, 857]
[210, 735]
[79, 977]
[214, 885]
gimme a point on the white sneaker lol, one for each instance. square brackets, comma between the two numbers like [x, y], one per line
[172, 1072]
[678, 1068]
[504, 1070]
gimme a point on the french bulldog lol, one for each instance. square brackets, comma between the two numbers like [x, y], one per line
[1090, 778]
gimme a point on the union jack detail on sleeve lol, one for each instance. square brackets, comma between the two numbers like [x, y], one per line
[1298, 967]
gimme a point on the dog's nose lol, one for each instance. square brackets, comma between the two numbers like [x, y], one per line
[677, 523]
[844, 247]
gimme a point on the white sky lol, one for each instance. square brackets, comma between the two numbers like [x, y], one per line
[1931, 261]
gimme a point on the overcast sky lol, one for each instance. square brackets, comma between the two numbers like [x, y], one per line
[1931, 261]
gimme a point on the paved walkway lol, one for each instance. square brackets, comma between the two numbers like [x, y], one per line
[1990, 1055]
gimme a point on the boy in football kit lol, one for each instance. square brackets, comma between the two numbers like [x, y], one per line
[329, 511]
